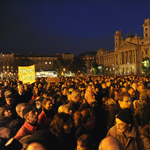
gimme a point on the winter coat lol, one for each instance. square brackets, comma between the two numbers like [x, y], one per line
[132, 140]
[26, 129]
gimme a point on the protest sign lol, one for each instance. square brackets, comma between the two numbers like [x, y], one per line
[26, 74]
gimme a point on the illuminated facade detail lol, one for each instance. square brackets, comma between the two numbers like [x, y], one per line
[42, 62]
[127, 54]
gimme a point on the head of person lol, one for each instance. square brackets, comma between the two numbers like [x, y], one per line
[21, 88]
[9, 97]
[30, 115]
[38, 102]
[36, 91]
[103, 85]
[76, 96]
[85, 142]
[86, 117]
[124, 100]
[7, 112]
[6, 83]
[1, 93]
[141, 87]
[19, 109]
[48, 103]
[90, 97]
[42, 140]
[62, 123]
[124, 120]
[108, 83]
[134, 85]
[105, 100]
[25, 87]
[65, 109]
[144, 97]
[64, 91]
[40, 86]
[109, 143]
[131, 91]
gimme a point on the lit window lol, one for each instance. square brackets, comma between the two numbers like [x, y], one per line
[49, 62]
[3, 67]
[45, 62]
[7, 67]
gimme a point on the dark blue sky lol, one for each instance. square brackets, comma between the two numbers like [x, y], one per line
[73, 26]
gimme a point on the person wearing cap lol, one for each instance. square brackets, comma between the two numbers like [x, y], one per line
[42, 140]
[124, 101]
[10, 105]
[38, 104]
[126, 132]
[30, 125]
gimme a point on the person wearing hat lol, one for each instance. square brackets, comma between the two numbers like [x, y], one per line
[126, 132]
[30, 125]
[10, 105]
[42, 140]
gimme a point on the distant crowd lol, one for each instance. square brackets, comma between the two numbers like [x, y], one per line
[76, 113]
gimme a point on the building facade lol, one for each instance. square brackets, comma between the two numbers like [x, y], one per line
[9, 62]
[127, 56]
[87, 60]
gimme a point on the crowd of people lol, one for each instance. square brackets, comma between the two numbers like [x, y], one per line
[76, 113]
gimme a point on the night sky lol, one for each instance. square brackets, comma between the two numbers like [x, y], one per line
[72, 26]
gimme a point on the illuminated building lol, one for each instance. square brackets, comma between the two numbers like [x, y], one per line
[126, 58]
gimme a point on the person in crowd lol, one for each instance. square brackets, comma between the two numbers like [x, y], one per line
[132, 93]
[38, 104]
[27, 91]
[74, 103]
[10, 105]
[109, 143]
[85, 142]
[6, 112]
[90, 101]
[61, 128]
[145, 134]
[65, 109]
[135, 86]
[61, 100]
[126, 132]
[20, 96]
[142, 113]
[111, 100]
[42, 140]
[104, 91]
[30, 125]
[2, 98]
[47, 114]
[84, 122]
[123, 102]
[19, 110]
[35, 93]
